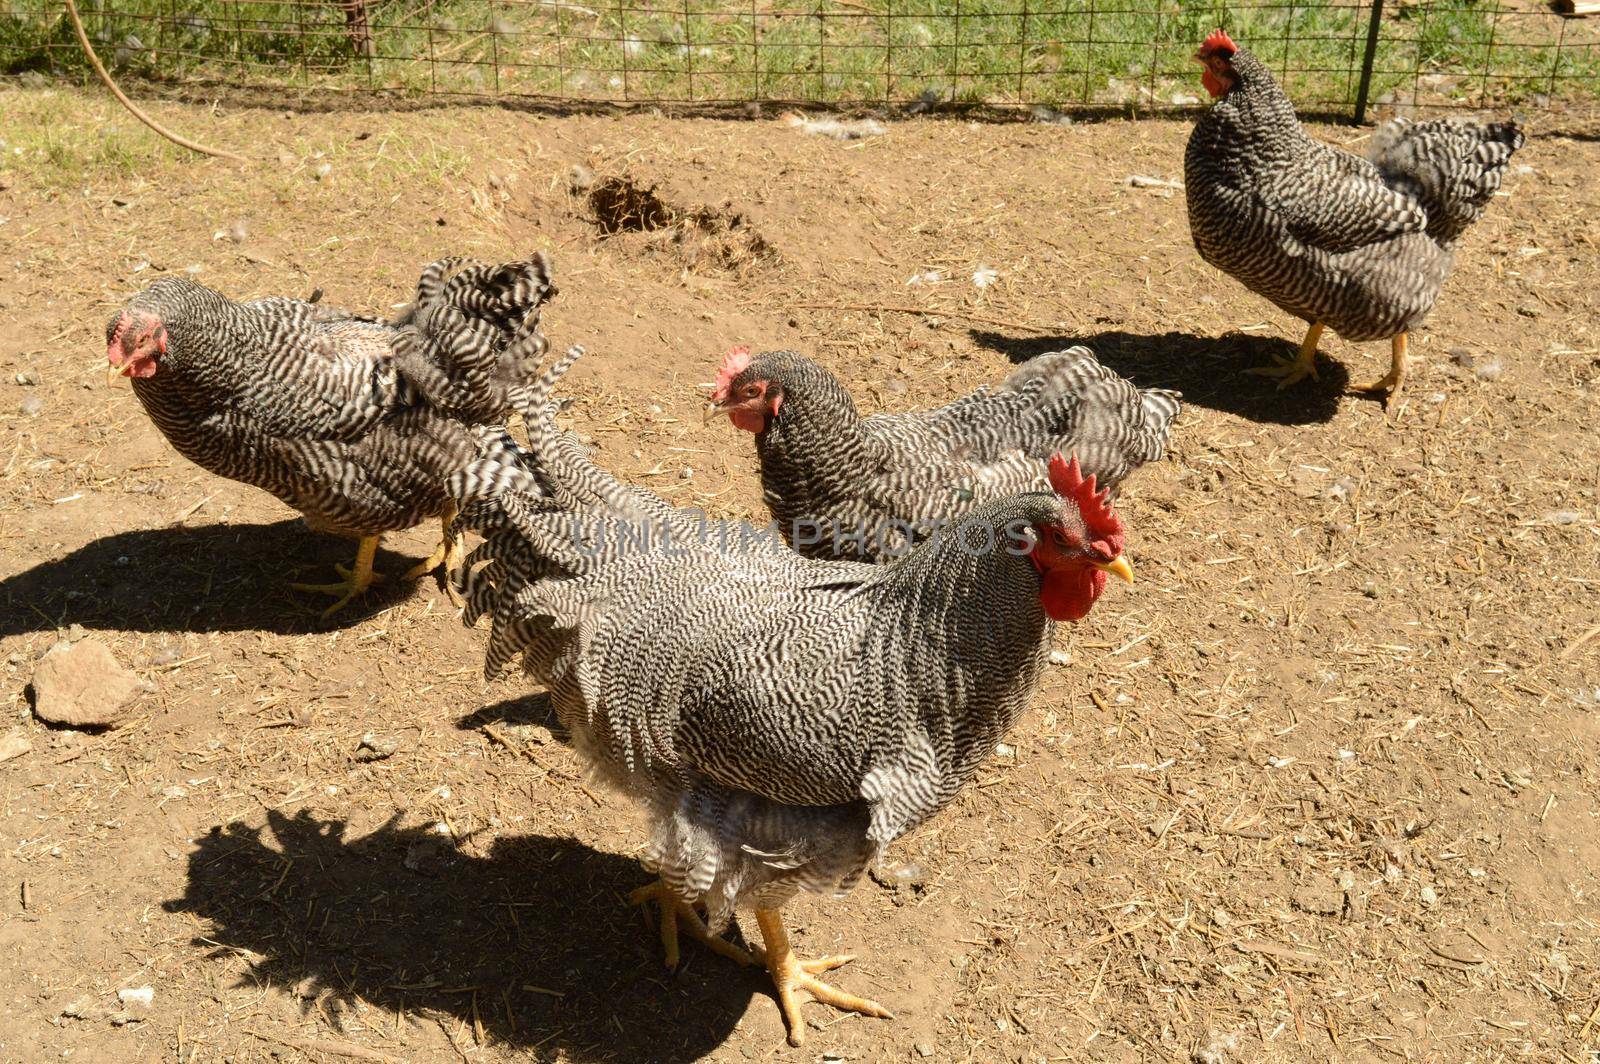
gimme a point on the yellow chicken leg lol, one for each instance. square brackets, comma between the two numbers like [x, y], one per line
[357, 578]
[790, 973]
[674, 909]
[1294, 370]
[1389, 384]
[447, 554]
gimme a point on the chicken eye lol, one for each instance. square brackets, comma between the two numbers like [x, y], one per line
[752, 392]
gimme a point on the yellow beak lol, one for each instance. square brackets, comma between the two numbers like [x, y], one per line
[1118, 566]
[712, 410]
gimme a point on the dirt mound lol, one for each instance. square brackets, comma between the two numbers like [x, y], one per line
[716, 239]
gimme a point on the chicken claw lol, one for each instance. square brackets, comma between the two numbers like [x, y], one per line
[447, 554]
[790, 973]
[1294, 370]
[357, 578]
[674, 908]
[1389, 384]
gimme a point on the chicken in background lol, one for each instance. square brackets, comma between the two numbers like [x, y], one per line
[868, 488]
[781, 719]
[354, 421]
[1361, 246]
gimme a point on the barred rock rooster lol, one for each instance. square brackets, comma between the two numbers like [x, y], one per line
[780, 719]
[1359, 245]
[868, 488]
[351, 420]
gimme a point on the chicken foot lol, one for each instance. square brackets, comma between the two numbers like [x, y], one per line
[446, 554]
[1389, 384]
[790, 973]
[357, 577]
[1294, 370]
[674, 909]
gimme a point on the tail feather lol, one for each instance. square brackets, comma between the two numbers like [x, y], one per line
[1452, 166]
[471, 338]
[1160, 407]
[1085, 407]
[547, 515]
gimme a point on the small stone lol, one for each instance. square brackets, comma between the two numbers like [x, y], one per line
[83, 685]
[142, 996]
[27, 378]
[371, 748]
[685, 473]
[898, 876]
[1060, 657]
[83, 1008]
[1216, 1050]
[1530, 310]
[582, 178]
[322, 171]
[1428, 896]
[924, 1049]
[1369, 589]
[32, 406]
[538, 734]
[14, 743]
[1004, 750]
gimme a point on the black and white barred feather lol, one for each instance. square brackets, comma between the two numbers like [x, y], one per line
[867, 488]
[1362, 246]
[781, 719]
[354, 421]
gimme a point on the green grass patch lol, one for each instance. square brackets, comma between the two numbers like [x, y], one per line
[1121, 53]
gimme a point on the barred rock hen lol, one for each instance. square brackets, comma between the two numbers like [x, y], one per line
[780, 719]
[867, 488]
[1360, 246]
[353, 421]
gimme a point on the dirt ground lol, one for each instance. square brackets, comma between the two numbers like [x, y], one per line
[1321, 785]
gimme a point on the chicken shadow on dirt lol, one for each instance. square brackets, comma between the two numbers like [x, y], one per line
[524, 709]
[535, 941]
[1208, 370]
[206, 578]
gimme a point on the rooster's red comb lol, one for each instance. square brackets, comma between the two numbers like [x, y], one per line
[733, 364]
[1218, 41]
[1068, 480]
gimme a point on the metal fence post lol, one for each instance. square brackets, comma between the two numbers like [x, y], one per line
[1366, 61]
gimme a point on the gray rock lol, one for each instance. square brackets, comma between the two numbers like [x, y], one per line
[898, 876]
[372, 748]
[82, 685]
[14, 743]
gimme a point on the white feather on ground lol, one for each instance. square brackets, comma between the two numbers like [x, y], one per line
[837, 128]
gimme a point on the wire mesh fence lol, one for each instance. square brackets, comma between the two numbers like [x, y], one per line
[1134, 55]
